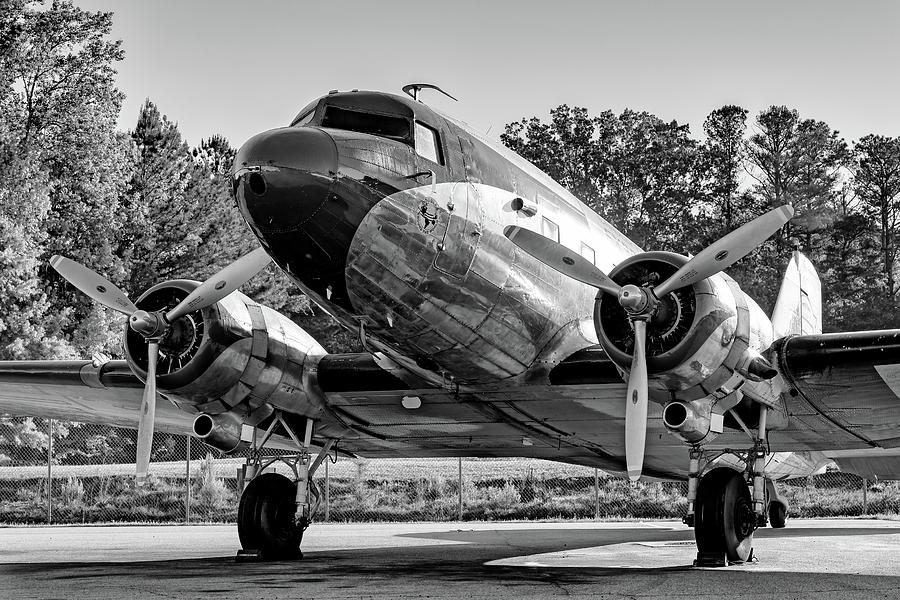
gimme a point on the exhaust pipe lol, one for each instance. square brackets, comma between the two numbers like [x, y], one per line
[222, 432]
[686, 422]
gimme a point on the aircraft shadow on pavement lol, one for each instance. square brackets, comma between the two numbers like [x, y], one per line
[470, 556]
[548, 540]
[441, 571]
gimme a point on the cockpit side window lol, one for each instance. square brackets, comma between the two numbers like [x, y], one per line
[396, 128]
[428, 143]
[304, 119]
[306, 115]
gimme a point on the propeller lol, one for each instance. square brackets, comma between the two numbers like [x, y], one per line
[93, 285]
[155, 326]
[148, 414]
[727, 250]
[640, 303]
[221, 284]
[636, 404]
[562, 259]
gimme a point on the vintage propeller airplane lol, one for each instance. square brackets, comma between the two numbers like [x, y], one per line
[500, 317]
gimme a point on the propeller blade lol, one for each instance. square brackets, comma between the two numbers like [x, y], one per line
[727, 250]
[92, 284]
[566, 261]
[221, 284]
[148, 414]
[636, 404]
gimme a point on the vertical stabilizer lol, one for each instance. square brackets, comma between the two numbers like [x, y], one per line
[799, 305]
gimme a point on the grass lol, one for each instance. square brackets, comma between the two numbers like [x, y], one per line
[404, 490]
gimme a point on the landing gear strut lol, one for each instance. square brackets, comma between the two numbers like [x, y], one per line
[721, 508]
[274, 510]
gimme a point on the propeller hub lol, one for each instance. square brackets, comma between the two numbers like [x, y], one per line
[150, 325]
[636, 301]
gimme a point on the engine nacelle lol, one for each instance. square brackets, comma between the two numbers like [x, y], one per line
[703, 338]
[235, 355]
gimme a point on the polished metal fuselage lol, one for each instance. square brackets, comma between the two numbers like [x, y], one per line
[435, 283]
[411, 255]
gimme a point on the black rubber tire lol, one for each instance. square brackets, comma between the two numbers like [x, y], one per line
[266, 517]
[777, 514]
[724, 517]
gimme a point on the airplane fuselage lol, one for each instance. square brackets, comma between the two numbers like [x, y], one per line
[412, 246]
[391, 217]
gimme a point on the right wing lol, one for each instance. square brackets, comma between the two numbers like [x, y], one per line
[76, 390]
[844, 397]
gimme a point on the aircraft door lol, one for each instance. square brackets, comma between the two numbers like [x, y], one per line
[463, 232]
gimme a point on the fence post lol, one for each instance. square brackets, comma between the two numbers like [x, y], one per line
[187, 479]
[49, 471]
[596, 494]
[865, 508]
[327, 492]
[460, 490]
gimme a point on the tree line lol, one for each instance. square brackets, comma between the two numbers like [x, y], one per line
[141, 206]
[138, 206]
[669, 191]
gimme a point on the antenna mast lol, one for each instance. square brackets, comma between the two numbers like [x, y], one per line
[413, 89]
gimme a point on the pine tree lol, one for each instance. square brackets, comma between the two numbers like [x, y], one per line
[723, 155]
[161, 236]
[877, 183]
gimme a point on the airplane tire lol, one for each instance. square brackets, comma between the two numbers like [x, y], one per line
[266, 517]
[724, 517]
[777, 514]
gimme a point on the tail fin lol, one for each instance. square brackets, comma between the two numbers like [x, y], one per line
[799, 305]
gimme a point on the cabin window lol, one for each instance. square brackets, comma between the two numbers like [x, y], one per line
[396, 128]
[550, 229]
[428, 143]
[588, 253]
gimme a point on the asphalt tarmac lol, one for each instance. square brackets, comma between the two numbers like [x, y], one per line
[822, 559]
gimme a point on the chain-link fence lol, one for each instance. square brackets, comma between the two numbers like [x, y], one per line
[84, 474]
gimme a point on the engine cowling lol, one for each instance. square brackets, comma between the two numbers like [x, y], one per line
[700, 341]
[235, 355]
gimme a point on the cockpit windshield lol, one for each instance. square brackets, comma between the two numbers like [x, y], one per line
[396, 128]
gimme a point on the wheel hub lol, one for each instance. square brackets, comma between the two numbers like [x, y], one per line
[744, 518]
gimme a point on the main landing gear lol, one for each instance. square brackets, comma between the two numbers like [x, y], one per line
[725, 506]
[275, 510]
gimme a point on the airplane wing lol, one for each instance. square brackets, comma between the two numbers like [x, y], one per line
[844, 397]
[843, 401]
[76, 390]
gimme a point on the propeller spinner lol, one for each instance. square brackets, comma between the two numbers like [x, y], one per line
[641, 303]
[154, 326]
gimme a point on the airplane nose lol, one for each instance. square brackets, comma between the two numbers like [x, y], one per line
[283, 177]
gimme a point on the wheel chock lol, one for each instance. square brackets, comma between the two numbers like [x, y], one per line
[716, 559]
[244, 555]
[711, 559]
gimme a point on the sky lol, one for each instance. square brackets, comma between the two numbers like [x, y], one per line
[237, 68]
